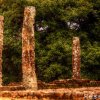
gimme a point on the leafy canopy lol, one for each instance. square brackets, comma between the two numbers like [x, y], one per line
[57, 21]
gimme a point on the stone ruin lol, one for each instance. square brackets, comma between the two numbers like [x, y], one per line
[29, 80]
[76, 63]
[1, 46]
[28, 46]
[28, 54]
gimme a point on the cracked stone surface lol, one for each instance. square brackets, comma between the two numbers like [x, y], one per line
[1, 46]
[76, 61]
[28, 46]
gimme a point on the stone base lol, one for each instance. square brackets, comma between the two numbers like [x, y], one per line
[68, 83]
[59, 90]
[11, 88]
[53, 94]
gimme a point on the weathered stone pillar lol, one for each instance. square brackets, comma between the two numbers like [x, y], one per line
[1, 46]
[28, 46]
[76, 63]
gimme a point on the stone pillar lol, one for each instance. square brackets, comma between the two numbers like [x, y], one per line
[28, 46]
[1, 46]
[76, 61]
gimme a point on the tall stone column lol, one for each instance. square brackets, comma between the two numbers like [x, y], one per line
[76, 61]
[28, 46]
[1, 46]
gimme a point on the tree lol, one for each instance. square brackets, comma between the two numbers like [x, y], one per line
[61, 20]
[13, 14]
[57, 21]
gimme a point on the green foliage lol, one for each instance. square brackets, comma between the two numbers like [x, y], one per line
[13, 15]
[56, 18]
[91, 61]
[56, 41]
